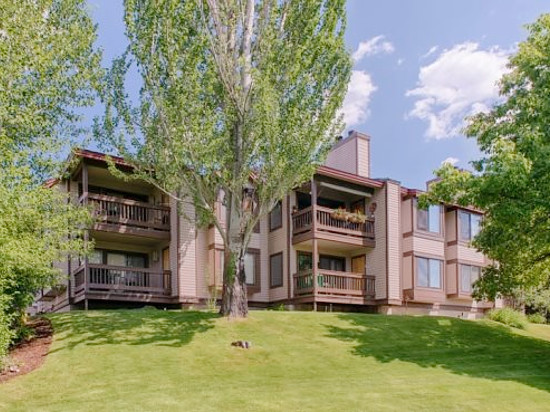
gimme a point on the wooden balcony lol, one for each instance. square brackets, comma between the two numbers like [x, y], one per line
[104, 281]
[120, 215]
[334, 287]
[329, 228]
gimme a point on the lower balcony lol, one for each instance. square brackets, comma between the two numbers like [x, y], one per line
[334, 287]
[94, 281]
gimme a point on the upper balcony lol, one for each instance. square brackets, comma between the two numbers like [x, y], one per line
[333, 211]
[120, 207]
[116, 214]
[329, 226]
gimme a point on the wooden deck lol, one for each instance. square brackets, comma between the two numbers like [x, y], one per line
[139, 284]
[333, 286]
[329, 228]
[120, 215]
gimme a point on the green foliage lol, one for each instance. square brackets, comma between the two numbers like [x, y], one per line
[509, 317]
[510, 183]
[538, 301]
[233, 92]
[49, 70]
[536, 318]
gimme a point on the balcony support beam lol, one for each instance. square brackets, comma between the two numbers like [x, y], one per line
[315, 260]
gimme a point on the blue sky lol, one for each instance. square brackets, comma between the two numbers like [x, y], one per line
[420, 67]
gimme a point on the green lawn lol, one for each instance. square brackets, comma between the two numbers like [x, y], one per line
[147, 360]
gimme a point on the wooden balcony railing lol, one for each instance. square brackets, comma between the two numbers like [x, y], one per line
[330, 282]
[116, 210]
[302, 222]
[93, 277]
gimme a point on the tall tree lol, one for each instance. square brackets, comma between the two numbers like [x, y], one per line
[511, 182]
[48, 70]
[239, 103]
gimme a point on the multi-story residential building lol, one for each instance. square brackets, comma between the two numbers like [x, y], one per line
[343, 241]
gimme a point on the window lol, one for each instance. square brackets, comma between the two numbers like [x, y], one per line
[276, 217]
[116, 258]
[429, 219]
[252, 267]
[332, 263]
[468, 275]
[428, 273]
[304, 261]
[96, 257]
[469, 225]
[276, 270]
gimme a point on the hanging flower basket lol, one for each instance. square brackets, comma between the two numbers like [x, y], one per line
[339, 214]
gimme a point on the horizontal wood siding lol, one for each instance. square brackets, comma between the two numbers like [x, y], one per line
[344, 156]
[187, 269]
[376, 257]
[394, 240]
[277, 242]
[363, 157]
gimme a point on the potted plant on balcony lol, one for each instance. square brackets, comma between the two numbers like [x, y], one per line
[339, 214]
[360, 217]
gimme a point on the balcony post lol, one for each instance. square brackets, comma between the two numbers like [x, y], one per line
[86, 232]
[315, 251]
[85, 181]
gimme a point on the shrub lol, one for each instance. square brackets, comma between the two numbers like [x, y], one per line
[509, 317]
[536, 318]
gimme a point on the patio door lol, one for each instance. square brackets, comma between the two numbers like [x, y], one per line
[358, 264]
[166, 259]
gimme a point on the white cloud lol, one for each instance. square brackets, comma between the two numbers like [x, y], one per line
[356, 104]
[373, 46]
[400, 61]
[430, 52]
[460, 82]
[451, 160]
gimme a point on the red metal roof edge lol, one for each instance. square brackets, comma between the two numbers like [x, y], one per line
[349, 177]
[405, 192]
[90, 154]
[51, 182]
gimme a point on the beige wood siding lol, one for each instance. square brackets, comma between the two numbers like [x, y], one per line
[187, 272]
[363, 157]
[376, 258]
[470, 254]
[204, 264]
[406, 216]
[344, 156]
[428, 247]
[394, 239]
[450, 226]
[277, 242]
[451, 278]
[407, 272]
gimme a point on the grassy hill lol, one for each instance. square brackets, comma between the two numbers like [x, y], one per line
[148, 360]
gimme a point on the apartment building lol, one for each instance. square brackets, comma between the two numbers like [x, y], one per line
[342, 241]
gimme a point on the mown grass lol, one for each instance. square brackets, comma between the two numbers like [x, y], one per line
[146, 360]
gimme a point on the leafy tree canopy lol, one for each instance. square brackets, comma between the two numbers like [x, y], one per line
[511, 182]
[239, 98]
[48, 69]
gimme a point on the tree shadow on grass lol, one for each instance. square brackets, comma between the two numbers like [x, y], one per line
[130, 327]
[482, 350]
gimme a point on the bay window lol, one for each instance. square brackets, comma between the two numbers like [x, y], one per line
[428, 272]
[469, 225]
[468, 275]
[429, 219]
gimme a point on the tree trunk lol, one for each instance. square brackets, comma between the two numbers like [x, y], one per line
[234, 299]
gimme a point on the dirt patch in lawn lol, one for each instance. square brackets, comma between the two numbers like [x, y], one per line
[29, 355]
